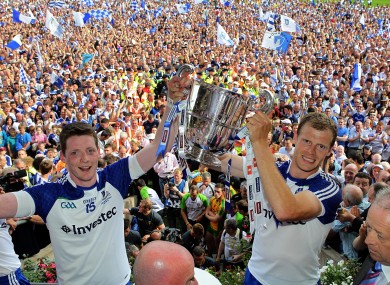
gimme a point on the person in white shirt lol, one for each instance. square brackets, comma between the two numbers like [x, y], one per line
[288, 148]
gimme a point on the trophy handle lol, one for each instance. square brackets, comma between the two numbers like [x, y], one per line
[269, 101]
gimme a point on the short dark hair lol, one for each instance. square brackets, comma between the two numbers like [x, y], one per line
[364, 176]
[126, 224]
[320, 122]
[198, 229]
[45, 166]
[220, 185]
[76, 129]
[242, 205]
[140, 183]
[198, 251]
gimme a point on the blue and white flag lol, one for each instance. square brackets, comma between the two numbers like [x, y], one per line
[23, 76]
[182, 8]
[276, 41]
[100, 14]
[15, 43]
[88, 3]
[356, 76]
[289, 25]
[158, 12]
[362, 21]
[205, 16]
[222, 37]
[271, 22]
[131, 19]
[78, 19]
[262, 16]
[87, 16]
[18, 17]
[40, 58]
[53, 26]
[198, 1]
[152, 30]
[57, 4]
[56, 80]
[134, 6]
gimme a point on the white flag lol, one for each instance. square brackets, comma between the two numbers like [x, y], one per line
[222, 37]
[53, 26]
[78, 19]
[289, 25]
[182, 8]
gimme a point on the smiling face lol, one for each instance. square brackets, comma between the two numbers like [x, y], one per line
[81, 158]
[311, 149]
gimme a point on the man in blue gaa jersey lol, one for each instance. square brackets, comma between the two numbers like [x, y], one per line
[83, 210]
[295, 201]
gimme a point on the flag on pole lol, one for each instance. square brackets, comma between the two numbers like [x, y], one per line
[15, 43]
[134, 6]
[100, 14]
[289, 25]
[88, 3]
[23, 76]
[158, 12]
[56, 80]
[53, 26]
[276, 41]
[271, 22]
[222, 37]
[40, 58]
[356, 76]
[57, 4]
[205, 17]
[182, 8]
[18, 17]
[362, 21]
[262, 15]
[78, 19]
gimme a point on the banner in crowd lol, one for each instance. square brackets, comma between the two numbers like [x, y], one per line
[289, 25]
[222, 37]
[276, 41]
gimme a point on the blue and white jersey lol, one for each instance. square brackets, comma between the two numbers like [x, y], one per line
[85, 224]
[286, 253]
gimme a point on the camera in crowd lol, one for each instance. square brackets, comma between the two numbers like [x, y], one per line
[12, 182]
[171, 234]
[171, 185]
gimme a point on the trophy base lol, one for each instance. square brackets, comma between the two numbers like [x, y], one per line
[203, 156]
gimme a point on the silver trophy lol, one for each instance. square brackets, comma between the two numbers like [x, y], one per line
[213, 117]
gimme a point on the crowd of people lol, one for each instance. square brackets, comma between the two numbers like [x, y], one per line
[329, 130]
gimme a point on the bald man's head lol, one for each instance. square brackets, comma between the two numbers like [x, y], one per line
[162, 262]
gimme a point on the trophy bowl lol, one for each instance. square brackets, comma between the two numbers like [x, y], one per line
[213, 117]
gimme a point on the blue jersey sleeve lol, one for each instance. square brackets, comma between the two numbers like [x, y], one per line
[118, 175]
